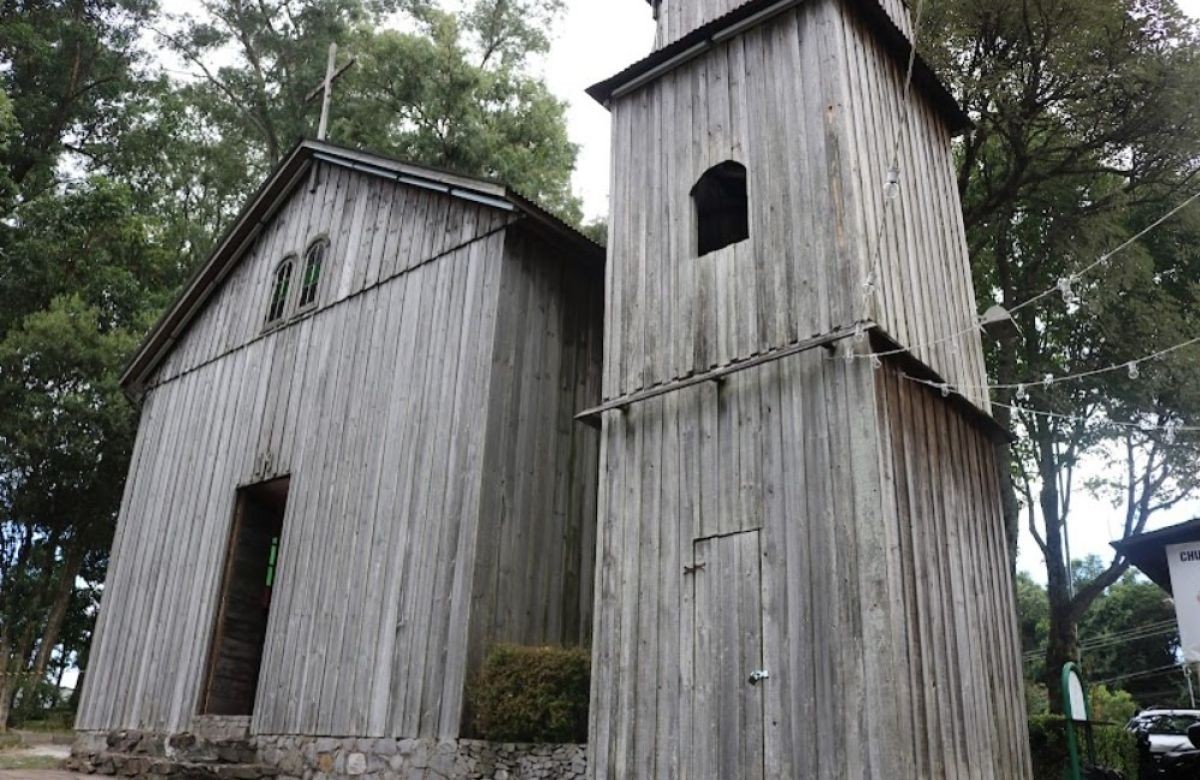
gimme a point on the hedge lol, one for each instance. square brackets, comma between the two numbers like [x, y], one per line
[1116, 748]
[532, 694]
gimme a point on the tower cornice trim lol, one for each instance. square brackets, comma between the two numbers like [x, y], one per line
[752, 14]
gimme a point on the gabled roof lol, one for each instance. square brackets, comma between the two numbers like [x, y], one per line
[281, 183]
[1148, 551]
[754, 12]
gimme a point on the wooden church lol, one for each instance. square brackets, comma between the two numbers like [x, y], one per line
[402, 414]
[357, 464]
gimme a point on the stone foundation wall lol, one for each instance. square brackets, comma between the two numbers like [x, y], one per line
[188, 756]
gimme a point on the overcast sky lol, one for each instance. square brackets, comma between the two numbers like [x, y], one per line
[597, 39]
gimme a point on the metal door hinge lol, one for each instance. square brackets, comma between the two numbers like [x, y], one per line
[694, 569]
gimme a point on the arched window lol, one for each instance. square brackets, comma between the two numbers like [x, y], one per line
[722, 210]
[279, 290]
[314, 261]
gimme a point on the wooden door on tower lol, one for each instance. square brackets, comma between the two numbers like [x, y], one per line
[727, 658]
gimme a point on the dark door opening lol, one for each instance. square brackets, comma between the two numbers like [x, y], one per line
[240, 629]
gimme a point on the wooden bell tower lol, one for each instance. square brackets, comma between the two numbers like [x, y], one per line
[802, 569]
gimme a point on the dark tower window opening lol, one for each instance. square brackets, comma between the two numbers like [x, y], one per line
[279, 291]
[240, 629]
[314, 261]
[722, 207]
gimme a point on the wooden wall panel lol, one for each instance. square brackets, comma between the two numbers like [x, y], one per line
[925, 296]
[887, 614]
[677, 18]
[534, 566]
[376, 408]
[376, 230]
[788, 449]
[810, 104]
[959, 614]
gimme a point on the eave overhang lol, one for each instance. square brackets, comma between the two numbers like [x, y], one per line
[292, 172]
[745, 17]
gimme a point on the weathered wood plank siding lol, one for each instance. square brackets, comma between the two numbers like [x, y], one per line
[376, 230]
[816, 202]
[535, 561]
[376, 403]
[788, 449]
[887, 617]
[959, 618]
[677, 18]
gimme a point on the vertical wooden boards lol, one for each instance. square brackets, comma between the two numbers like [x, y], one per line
[677, 18]
[760, 99]
[886, 609]
[727, 653]
[812, 105]
[377, 228]
[379, 405]
[767, 449]
[924, 297]
[964, 666]
[537, 508]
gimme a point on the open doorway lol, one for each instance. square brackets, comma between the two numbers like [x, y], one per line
[240, 629]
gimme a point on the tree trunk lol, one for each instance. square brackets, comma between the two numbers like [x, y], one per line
[64, 588]
[6, 669]
[6, 696]
[1063, 641]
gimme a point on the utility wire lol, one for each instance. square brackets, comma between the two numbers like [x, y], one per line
[1134, 675]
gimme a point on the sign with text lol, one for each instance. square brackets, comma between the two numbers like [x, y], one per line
[1184, 561]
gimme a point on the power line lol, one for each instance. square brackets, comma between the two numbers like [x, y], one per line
[1148, 631]
[1033, 655]
[1134, 675]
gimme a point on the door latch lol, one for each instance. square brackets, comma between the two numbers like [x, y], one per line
[758, 676]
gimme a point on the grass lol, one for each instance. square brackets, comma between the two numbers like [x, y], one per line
[19, 759]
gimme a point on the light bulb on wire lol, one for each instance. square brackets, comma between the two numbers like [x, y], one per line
[891, 188]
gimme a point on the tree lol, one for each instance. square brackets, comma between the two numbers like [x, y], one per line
[68, 68]
[65, 435]
[1087, 127]
[1131, 641]
[454, 92]
[1128, 637]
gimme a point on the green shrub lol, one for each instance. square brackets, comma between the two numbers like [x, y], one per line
[533, 694]
[1115, 706]
[1116, 748]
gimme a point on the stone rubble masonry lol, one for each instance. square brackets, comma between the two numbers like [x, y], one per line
[218, 750]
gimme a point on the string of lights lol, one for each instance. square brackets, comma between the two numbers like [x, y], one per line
[1169, 429]
[1132, 367]
[1065, 286]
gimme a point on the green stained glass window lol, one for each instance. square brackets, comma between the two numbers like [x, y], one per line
[279, 291]
[314, 261]
[272, 557]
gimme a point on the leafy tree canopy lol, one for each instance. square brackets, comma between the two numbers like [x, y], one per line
[1087, 129]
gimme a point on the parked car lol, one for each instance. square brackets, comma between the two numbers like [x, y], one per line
[1166, 751]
